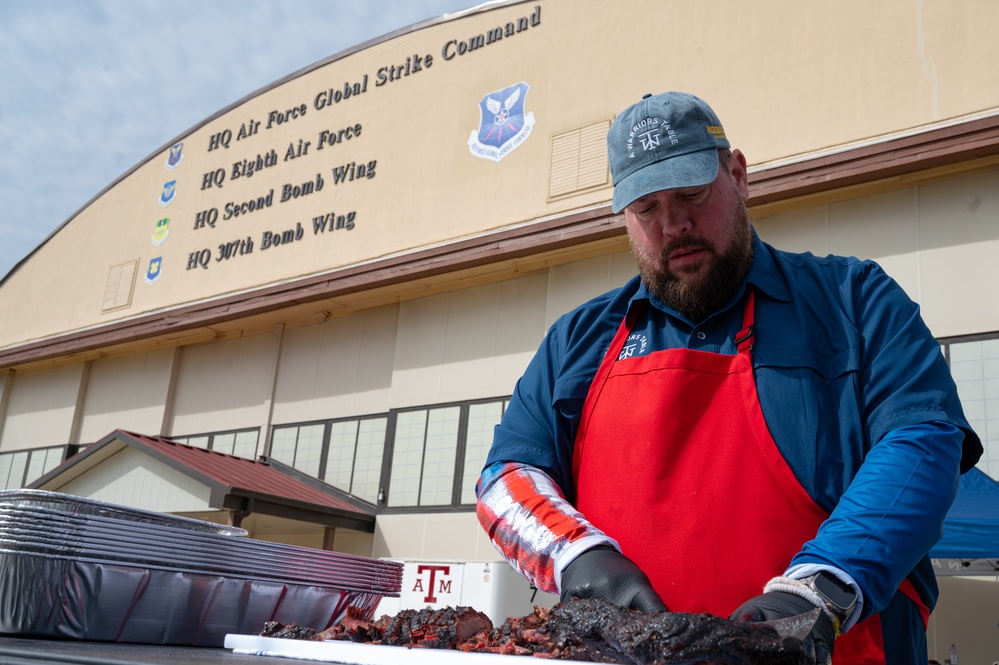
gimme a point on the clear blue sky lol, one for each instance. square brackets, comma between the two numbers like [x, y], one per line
[91, 87]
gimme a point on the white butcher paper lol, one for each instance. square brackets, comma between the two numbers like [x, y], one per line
[356, 653]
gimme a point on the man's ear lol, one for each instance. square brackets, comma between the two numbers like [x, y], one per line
[737, 167]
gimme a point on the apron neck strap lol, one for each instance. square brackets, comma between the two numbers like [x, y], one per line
[744, 340]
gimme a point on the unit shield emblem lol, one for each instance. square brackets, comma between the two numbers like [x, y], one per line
[173, 159]
[168, 194]
[161, 231]
[154, 271]
[503, 125]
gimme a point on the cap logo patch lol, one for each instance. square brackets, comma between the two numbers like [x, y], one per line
[716, 131]
[649, 133]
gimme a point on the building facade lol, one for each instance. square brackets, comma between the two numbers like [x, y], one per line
[346, 272]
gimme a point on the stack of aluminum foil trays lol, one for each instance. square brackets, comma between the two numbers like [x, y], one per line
[76, 568]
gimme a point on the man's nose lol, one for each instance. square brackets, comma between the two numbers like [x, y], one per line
[675, 219]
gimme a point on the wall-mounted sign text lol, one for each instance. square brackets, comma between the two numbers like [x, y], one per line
[505, 125]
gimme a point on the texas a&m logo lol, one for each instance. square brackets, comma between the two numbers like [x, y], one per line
[432, 580]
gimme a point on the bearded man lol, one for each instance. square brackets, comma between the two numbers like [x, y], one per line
[738, 430]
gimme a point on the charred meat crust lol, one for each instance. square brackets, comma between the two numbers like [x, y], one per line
[583, 630]
[600, 632]
[290, 631]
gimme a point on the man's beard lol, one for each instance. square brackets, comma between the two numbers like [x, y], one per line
[697, 297]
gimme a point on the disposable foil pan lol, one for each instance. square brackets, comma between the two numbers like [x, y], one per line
[162, 540]
[63, 597]
[83, 506]
[31, 544]
[144, 548]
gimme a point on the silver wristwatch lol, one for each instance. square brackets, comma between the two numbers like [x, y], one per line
[840, 598]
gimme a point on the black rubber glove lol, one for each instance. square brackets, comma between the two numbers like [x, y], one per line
[605, 573]
[778, 605]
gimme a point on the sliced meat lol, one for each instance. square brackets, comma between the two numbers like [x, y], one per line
[586, 630]
[289, 631]
[443, 628]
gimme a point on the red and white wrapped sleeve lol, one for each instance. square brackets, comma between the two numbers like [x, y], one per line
[529, 521]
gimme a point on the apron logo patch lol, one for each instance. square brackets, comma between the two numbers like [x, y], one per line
[636, 345]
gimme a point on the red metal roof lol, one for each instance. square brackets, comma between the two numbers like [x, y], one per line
[239, 472]
[229, 475]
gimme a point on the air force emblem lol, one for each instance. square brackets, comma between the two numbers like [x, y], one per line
[503, 126]
[161, 231]
[168, 194]
[173, 159]
[154, 271]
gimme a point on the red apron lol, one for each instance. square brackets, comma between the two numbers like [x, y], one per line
[674, 460]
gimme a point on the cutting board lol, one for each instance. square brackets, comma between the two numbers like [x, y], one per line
[353, 653]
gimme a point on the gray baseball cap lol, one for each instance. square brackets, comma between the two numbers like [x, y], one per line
[666, 141]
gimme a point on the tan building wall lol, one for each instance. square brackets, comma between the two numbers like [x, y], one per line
[937, 240]
[339, 368]
[129, 392]
[42, 407]
[965, 616]
[226, 385]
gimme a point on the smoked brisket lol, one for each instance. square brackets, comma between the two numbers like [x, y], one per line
[446, 628]
[582, 630]
[596, 631]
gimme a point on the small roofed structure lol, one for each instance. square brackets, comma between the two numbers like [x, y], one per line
[177, 478]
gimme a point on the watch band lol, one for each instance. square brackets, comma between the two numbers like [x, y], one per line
[836, 598]
[839, 597]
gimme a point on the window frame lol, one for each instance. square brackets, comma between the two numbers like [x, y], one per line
[388, 453]
[68, 450]
[327, 424]
[459, 463]
[183, 439]
[989, 464]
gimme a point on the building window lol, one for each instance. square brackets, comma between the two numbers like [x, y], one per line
[21, 467]
[438, 453]
[346, 454]
[241, 443]
[354, 456]
[974, 363]
[423, 458]
[482, 419]
[299, 447]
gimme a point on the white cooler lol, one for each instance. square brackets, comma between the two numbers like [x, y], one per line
[491, 587]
